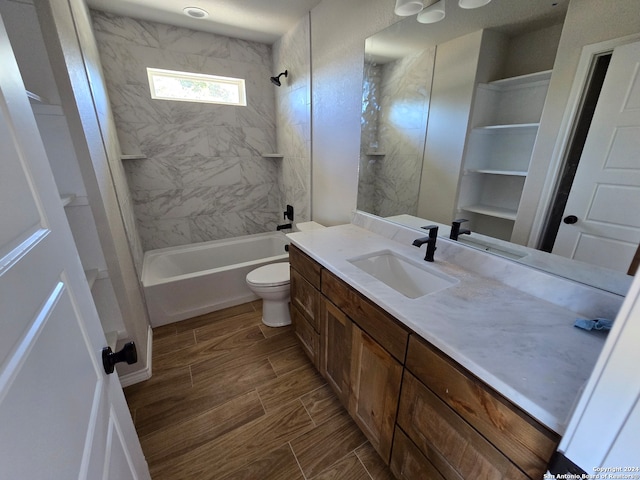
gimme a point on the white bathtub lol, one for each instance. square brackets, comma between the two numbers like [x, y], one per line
[190, 280]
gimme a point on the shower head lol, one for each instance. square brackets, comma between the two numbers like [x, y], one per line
[276, 80]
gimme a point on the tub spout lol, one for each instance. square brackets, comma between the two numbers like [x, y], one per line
[284, 226]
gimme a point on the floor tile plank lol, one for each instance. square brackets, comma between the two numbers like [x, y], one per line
[348, 467]
[338, 436]
[231, 398]
[178, 439]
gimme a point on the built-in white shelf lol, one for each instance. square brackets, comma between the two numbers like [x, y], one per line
[36, 98]
[92, 275]
[521, 80]
[137, 156]
[492, 211]
[272, 155]
[507, 127]
[487, 171]
[67, 199]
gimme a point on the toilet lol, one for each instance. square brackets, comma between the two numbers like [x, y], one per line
[271, 283]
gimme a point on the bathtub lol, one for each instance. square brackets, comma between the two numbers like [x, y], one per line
[190, 280]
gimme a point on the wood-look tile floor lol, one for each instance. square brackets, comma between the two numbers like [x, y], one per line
[231, 398]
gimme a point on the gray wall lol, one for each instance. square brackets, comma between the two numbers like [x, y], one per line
[338, 32]
[204, 177]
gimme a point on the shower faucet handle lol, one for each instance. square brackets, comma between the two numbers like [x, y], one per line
[288, 214]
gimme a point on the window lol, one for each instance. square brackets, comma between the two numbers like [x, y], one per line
[195, 87]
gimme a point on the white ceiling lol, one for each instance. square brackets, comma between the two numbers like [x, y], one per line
[266, 21]
[258, 20]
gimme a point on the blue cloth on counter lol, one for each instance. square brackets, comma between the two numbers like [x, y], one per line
[595, 324]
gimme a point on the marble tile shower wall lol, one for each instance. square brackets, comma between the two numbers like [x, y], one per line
[204, 177]
[392, 181]
[292, 52]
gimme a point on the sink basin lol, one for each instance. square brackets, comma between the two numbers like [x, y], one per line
[405, 275]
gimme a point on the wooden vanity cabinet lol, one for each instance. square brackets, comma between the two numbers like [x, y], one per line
[425, 415]
[305, 302]
[363, 348]
[461, 427]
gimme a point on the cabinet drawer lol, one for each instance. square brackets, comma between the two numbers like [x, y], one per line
[309, 338]
[455, 448]
[306, 297]
[527, 443]
[408, 463]
[305, 265]
[372, 319]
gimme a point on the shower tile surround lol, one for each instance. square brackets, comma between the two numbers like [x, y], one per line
[204, 177]
[394, 119]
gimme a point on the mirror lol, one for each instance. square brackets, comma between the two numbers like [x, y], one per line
[396, 180]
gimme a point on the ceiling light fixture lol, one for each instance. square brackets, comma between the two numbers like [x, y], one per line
[433, 13]
[406, 8]
[472, 3]
[195, 12]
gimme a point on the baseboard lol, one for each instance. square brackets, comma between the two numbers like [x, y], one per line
[145, 373]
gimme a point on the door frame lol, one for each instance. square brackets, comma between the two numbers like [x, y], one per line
[567, 127]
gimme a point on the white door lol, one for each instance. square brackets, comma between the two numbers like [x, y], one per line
[605, 196]
[61, 416]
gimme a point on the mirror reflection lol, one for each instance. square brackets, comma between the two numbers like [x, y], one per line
[449, 122]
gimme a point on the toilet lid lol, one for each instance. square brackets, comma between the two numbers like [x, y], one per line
[274, 274]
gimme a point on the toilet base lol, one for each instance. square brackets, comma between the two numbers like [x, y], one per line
[275, 313]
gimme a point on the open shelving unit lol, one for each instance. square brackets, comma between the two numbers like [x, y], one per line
[504, 124]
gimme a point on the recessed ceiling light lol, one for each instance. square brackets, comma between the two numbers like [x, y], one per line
[195, 12]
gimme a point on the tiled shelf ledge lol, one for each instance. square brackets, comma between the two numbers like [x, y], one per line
[137, 156]
[272, 155]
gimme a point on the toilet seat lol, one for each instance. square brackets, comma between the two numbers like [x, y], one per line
[273, 275]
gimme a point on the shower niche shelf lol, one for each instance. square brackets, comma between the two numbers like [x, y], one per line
[136, 156]
[273, 155]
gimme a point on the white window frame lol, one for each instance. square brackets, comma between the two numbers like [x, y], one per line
[238, 82]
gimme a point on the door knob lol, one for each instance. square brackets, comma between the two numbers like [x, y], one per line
[128, 354]
[570, 219]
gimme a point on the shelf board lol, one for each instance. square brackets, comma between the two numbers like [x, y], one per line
[375, 154]
[528, 80]
[511, 173]
[138, 156]
[492, 211]
[522, 79]
[36, 98]
[92, 275]
[67, 199]
[272, 155]
[508, 126]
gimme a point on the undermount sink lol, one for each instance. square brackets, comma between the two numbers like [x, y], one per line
[404, 275]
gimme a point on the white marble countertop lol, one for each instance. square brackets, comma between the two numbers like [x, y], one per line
[525, 347]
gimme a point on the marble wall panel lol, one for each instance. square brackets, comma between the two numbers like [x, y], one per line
[395, 111]
[204, 177]
[293, 118]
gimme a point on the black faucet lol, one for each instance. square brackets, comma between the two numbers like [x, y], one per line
[284, 226]
[430, 241]
[455, 229]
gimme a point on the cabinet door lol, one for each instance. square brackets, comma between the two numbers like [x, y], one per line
[408, 463]
[374, 391]
[453, 446]
[335, 349]
[305, 297]
[309, 338]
